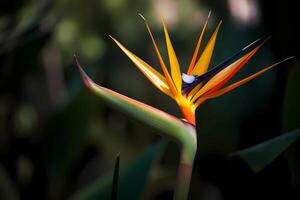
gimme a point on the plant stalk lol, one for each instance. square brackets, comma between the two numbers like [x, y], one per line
[185, 169]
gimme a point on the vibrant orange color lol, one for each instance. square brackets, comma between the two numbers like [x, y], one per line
[190, 95]
[195, 55]
[204, 60]
[99, 89]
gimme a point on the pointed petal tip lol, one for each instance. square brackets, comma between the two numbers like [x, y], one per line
[114, 39]
[86, 80]
[174, 64]
[205, 58]
[251, 44]
[256, 42]
[247, 79]
[266, 40]
[111, 37]
[268, 37]
[289, 58]
[142, 17]
[209, 13]
[218, 26]
[75, 59]
[284, 60]
[196, 51]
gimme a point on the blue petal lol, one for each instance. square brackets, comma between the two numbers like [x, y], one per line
[218, 67]
[188, 78]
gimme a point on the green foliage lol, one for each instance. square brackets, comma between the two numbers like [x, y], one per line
[259, 156]
[168, 125]
[63, 149]
[115, 184]
[291, 108]
[131, 180]
[8, 189]
[291, 118]
[52, 131]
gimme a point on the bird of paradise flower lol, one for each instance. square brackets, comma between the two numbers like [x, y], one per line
[189, 90]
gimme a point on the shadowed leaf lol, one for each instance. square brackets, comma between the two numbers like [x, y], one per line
[154, 76]
[170, 126]
[8, 189]
[114, 192]
[131, 180]
[259, 156]
[291, 119]
[291, 108]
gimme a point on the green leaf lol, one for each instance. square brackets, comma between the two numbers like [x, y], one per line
[170, 126]
[131, 180]
[291, 118]
[8, 189]
[259, 156]
[291, 108]
[64, 139]
[115, 184]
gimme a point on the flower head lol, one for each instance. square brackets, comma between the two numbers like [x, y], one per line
[199, 83]
[189, 90]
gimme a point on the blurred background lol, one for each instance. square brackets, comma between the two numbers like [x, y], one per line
[56, 138]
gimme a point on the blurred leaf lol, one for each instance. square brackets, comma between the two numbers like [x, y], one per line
[291, 109]
[259, 156]
[132, 178]
[8, 189]
[29, 28]
[291, 119]
[114, 193]
[65, 139]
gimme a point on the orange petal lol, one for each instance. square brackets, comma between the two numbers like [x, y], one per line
[200, 101]
[174, 65]
[243, 81]
[131, 106]
[188, 113]
[204, 60]
[222, 83]
[154, 76]
[193, 61]
[161, 61]
[223, 76]
[194, 91]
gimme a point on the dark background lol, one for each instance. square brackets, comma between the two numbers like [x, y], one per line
[56, 137]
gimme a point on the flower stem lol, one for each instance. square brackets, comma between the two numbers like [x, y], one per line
[185, 169]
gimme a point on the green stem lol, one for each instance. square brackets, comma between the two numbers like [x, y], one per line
[185, 169]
